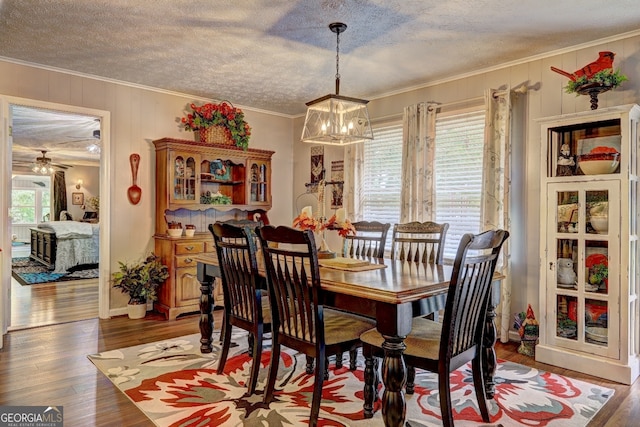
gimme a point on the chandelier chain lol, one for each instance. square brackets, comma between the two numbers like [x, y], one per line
[338, 55]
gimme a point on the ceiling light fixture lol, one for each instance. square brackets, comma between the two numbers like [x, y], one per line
[42, 165]
[336, 119]
[94, 147]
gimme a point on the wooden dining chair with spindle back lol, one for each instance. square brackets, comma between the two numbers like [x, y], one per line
[420, 242]
[246, 306]
[300, 321]
[368, 242]
[444, 347]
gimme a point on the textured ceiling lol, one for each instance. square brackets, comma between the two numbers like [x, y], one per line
[276, 55]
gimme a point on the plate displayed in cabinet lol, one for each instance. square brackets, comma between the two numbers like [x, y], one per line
[596, 333]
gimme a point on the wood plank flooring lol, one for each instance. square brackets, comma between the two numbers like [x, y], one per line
[52, 303]
[48, 366]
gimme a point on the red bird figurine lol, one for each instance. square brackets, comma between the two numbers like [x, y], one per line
[604, 61]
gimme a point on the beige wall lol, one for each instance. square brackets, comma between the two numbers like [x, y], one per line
[138, 116]
[548, 100]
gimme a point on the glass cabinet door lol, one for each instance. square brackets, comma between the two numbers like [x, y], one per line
[259, 177]
[583, 272]
[184, 177]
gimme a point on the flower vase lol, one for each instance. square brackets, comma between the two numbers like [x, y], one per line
[323, 251]
[137, 311]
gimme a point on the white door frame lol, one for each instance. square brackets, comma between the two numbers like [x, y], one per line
[6, 143]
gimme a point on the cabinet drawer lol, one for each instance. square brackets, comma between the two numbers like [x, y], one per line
[186, 261]
[209, 247]
[189, 248]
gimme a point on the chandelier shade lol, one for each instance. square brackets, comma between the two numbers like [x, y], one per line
[336, 119]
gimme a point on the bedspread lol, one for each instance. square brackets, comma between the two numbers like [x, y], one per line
[74, 245]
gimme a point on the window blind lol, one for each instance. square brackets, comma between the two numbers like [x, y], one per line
[381, 181]
[458, 175]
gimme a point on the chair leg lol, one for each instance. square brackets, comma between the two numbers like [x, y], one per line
[478, 385]
[226, 343]
[250, 342]
[339, 360]
[273, 369]
[353, 359]
[309, 367]
[326, 368]
[256, 353]
[376, 378]
[317, 391]
[411, 379]
[370, 389]
[445, 398]
[224, 326]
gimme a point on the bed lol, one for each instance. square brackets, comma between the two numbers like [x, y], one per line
[61, 245]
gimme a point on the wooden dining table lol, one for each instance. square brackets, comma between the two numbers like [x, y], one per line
[385, 292]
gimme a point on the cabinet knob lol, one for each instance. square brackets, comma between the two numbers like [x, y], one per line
[189, 248]
[188, 260]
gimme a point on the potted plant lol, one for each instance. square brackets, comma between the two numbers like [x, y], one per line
[223, 115]
[140, 281]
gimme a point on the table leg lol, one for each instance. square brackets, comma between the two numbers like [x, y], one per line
[206, 312]
[394, 377]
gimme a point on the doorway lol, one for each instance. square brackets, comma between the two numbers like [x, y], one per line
[70, 133]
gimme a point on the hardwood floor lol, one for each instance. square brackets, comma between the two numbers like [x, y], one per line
[48, 366]
[49, 304]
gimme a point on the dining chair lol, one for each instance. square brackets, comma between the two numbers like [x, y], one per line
[239, 223]
[245, 305]
[444, 347]
[300, 321]
[420, 242]
[368, 242]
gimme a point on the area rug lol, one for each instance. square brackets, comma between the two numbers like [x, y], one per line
[175, 385]
[29, 272]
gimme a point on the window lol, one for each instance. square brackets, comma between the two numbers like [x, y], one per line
[29, 206]
[382, 174]
[458, 175]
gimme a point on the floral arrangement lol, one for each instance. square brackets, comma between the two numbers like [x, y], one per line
[222, 114]
[305, 221]
[94, 203]
[608, 78]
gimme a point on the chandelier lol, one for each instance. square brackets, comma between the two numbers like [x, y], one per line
[42, 165]
[336, 119]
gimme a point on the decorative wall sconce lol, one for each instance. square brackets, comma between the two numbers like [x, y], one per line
[79, 184]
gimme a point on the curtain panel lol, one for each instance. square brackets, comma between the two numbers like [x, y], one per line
[418, 155]
[59, 195]
[496, 191]
[352, 188]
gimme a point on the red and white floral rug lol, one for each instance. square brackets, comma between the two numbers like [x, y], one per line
[175, 385]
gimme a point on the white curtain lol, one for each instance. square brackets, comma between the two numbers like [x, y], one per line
[418, 153]
[353, 166]
[496, 191]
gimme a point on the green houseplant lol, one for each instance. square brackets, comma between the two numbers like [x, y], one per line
[140, 281]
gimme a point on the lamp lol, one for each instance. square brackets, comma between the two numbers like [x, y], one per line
[336, 119]
[42, 165]
[79, 184]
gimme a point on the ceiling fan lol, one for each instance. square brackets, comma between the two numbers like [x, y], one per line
[42, 164]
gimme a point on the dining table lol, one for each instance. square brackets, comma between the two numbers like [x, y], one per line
[384, 290]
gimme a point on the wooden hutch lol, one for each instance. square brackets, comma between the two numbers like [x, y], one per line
[205, 181]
